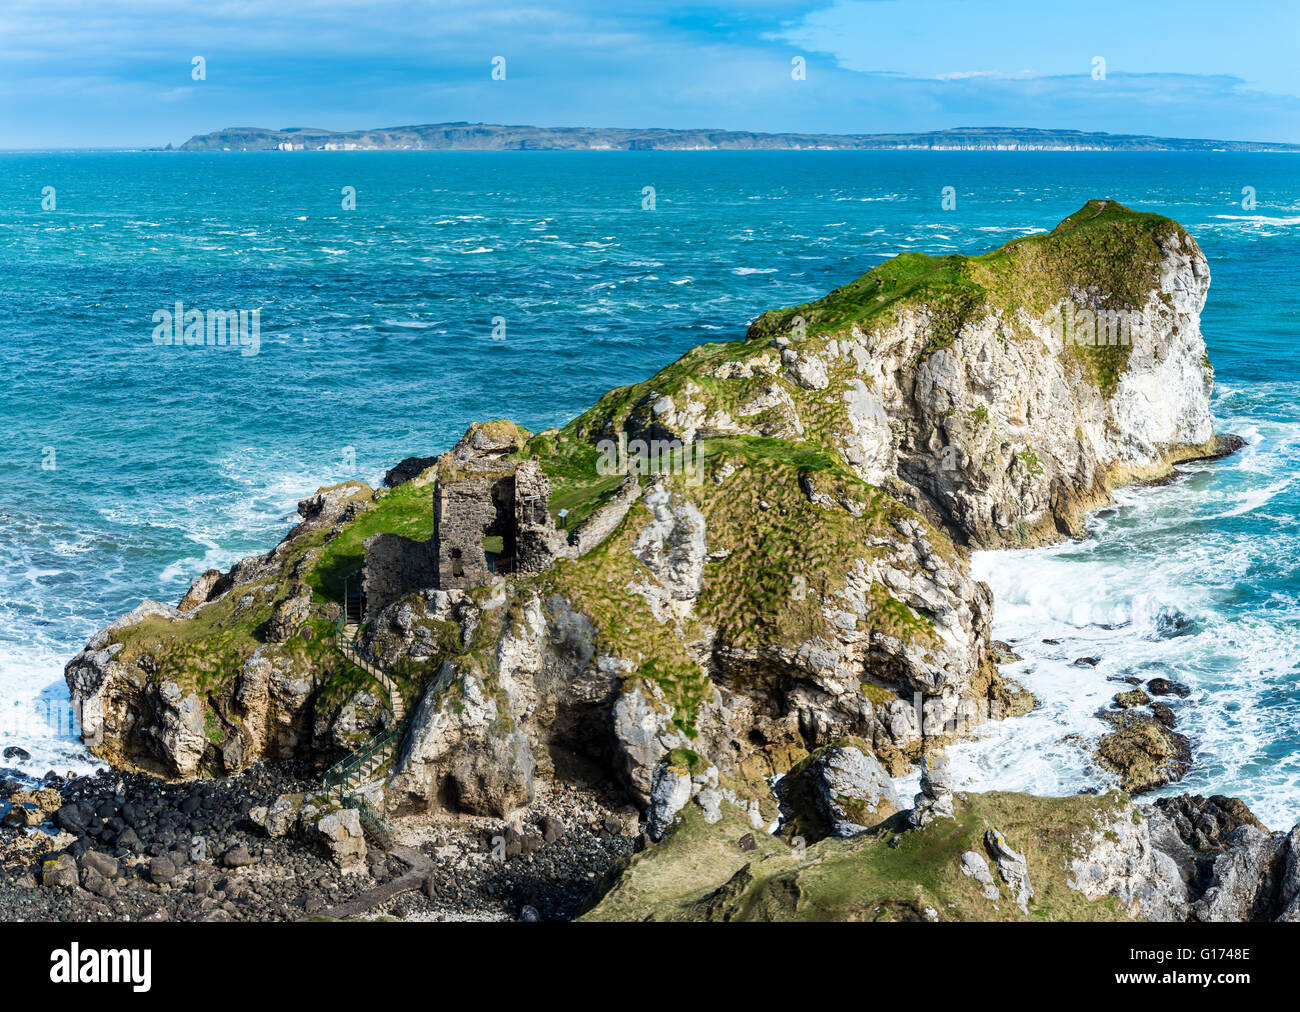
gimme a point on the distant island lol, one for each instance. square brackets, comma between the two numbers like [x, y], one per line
[493, 137]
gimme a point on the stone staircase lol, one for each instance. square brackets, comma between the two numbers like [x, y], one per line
[361, 659]
[352, 772]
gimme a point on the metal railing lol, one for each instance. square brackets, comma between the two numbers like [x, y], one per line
[350, 772]
[373, 824]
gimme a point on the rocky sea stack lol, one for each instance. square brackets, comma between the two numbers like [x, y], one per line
[756, 561]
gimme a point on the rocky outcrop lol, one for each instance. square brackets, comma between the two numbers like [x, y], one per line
[935, 799]
[1012, 867]
[839, 790]
[1142, 751]
[1078, 858]
[1002, 395]
[407, 470]
[1189, 858]
[644, 649]
[330, 828]
[229, 677]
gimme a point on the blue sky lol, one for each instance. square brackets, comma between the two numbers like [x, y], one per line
[119, 74]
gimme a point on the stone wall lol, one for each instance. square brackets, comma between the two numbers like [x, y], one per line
[395, 566]
[466, 510]
[538, 542]
[600, 525]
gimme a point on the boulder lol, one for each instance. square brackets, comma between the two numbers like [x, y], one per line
[974, 866]
[339, 835]
[670, 790]
[100, 863]
[280, 818]
[839, 790]
[237, 856]
[74, 818]
[60, 871]
[1012, 868]
[935, 800]
[162, 871]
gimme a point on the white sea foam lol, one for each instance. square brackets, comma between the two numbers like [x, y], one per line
[1156, 592]
[35, 714]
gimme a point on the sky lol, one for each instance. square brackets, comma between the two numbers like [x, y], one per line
[113, 74]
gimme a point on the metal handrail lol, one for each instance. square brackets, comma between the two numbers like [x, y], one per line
[385, 743]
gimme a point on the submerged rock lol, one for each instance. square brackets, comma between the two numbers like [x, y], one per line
[1128, 700]
[1165, 687]
[1142, 751]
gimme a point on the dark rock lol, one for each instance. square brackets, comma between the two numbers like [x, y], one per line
[101, 864]
[161, 871]
[73, 818]
[1171, 623]
[1166, 687]
[747, 842]
[1086, 662]
[1164, 714]
[94, 882]
[17, 754]
[552, 828]
[237, 857]
[404, 471]
[1207, 823]
[1128, 700]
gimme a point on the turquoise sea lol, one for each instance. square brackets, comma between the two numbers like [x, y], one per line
[471, 285]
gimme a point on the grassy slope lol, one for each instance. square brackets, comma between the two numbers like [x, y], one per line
[698, 872]
[1111, 252]
[783, 562]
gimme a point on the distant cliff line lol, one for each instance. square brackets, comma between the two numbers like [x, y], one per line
[491, 137]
